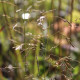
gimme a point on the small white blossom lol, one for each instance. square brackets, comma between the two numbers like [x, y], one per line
[19, 47]
[10, 67]
[26, 16]
[15, 26]
[18, 10]
[28, 34]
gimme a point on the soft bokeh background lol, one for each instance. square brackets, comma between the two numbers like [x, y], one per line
[39, 39]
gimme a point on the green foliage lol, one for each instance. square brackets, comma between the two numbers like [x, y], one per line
[29, 48]
[75, 17]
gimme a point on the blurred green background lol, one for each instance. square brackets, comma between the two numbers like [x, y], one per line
[39, 39]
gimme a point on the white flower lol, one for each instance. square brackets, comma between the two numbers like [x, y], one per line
[28, 34]
[26, 16]
[19, 47]
[15, 26]
[18, 10]
[10, 67]
[41, 18]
